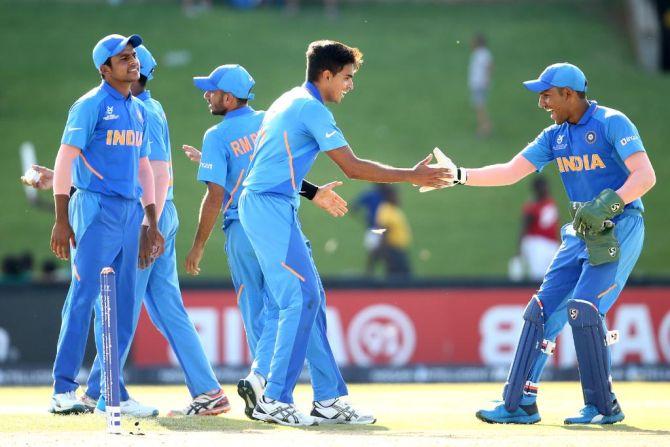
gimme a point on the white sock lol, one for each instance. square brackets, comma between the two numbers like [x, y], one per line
[261, 379]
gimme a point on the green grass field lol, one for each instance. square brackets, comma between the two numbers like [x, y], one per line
[410, 96]
[408, 415]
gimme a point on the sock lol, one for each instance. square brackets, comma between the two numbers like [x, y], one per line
[326, 402]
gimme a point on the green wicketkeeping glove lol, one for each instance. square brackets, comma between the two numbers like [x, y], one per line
[602, 247]
[591, 217]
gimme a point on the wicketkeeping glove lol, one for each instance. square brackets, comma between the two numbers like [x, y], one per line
[460, 175]
[591, 217]
[602, 247]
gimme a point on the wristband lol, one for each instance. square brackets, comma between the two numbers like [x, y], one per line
[308, 190]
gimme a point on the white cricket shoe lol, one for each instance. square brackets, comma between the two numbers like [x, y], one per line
[340, 412]
[88, 402]
[66, 403]
[270, 410]
[205, 404]
[250, 389]
[130, 407]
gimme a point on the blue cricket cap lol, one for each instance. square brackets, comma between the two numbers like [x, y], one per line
[112, 45]
[558, 75]
[231, 78]
[147, 62]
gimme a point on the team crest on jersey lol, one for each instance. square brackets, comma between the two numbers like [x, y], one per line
[560, 145]
[574, 313]
[109, 114]
[590, 137]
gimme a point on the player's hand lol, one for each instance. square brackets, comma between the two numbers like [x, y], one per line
[592, 217]
[61, 238]
[330, 201]
[152, 246]
[44, 179]
[424, 174]
[458, 176]
[192, 153]
[193, 260]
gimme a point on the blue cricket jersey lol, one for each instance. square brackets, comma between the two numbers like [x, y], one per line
[157, 134]
[590, 154]
[296, 128]
[226, 152]
[109, 129]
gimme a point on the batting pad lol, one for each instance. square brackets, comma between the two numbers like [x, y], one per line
[589, 335]
[527, 351]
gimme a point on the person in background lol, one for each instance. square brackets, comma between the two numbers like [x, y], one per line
[397, 235]
[368, 202]
[539, 238]
[480, 69]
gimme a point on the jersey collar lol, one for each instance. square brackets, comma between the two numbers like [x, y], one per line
[144, 95]
[114, 93]
[238, 112]
[311, 88]
[588, 113]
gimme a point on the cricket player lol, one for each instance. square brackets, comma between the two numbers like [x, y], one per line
[226, 152]
[605, 169]
[103, 154]
[296, 128]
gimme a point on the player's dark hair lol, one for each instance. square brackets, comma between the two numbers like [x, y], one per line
[580, 95]
[108, 62]
[143, 80]
[241, 102]
[330, 55]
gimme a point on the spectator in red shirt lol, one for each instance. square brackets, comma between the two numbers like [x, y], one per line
[539, 239]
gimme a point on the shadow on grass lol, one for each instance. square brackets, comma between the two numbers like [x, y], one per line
[614, 428]
[224, 424]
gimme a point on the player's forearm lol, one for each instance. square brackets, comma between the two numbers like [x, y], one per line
[639, 182]
[61, 202]
[500, 174]
[146, 179]
[161, 172]
[373, 171]
[209, 213]
[62, 176]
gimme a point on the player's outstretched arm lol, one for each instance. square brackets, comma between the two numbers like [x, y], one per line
[500, 174]
[209, 212]
[421, 174]
[62, 235]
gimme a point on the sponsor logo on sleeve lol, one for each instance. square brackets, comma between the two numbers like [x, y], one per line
[626, 140]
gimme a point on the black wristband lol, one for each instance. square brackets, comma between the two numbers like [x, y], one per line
[308, 190]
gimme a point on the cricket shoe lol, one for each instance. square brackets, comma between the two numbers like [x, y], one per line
[270, 410]
[590, 415]
[88, 402]
[525, 414]
[66, 403]
[250, 389]
[205, 404]
[340, 412]
[129, 407]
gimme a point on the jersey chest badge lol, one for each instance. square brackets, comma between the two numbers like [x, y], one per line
[590, 137]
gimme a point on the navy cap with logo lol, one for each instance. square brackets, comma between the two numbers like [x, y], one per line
[147, 62]
[112, 45]
[230, 78]
[558, 75]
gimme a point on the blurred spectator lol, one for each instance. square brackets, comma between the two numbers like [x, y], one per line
[480, 69]
[192, 8]
[292, 7]
[49, 272]
[369, 202]
[539, 239]
[396, 235]
[17, 268]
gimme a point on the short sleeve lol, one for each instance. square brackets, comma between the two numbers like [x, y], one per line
[623, 136]
[81, 121]
[320, 123]
[539, 150]
[214, 162]
[156, 136]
